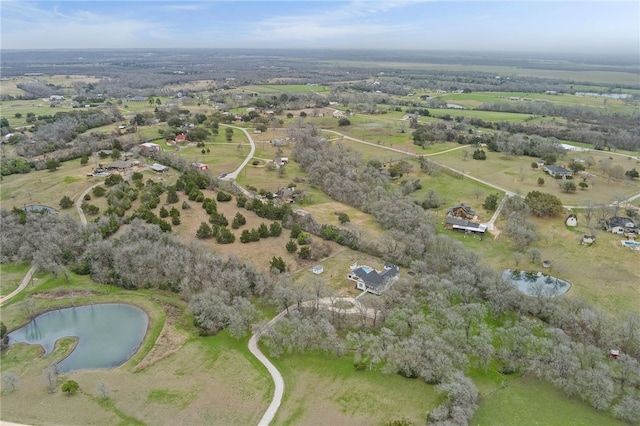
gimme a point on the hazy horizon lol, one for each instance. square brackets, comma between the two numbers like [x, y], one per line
[551, 27]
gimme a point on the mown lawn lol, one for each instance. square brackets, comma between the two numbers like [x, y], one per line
[327, 390]
[175, 377]
[528, 401]
[11, 275]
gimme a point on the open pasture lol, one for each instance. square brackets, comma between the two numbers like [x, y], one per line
[211, 380]
[604, 274]
[516, 175]
[11, 275]
[473, 100]
[46, 187]
[530, 401]
[327, 390]
[288, 88]
[39, 107]
[573, 76]
[9, 86]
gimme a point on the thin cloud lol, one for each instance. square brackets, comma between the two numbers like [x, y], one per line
[353, 19]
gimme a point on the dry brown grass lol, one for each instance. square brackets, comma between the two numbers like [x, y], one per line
[605, 274]
[47, 188]
[199, 384]
[329, 391]
[515, 174]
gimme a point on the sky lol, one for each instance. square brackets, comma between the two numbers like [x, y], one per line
[518, 26]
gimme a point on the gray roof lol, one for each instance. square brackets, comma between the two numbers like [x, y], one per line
[464, 207]
[375, 279]
[465, 225]
[623, 222]
[119, 164]
[558, 170]
[158, 167]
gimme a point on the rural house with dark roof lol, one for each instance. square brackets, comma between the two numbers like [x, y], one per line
[558, 172]
[372, 281]
[461, 211]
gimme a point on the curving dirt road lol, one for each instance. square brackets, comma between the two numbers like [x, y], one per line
[328, 303]
[83, 219]
[234, 174]
[23, 284]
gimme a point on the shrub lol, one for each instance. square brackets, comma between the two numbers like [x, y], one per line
[66, 202]
[113, 179]
[275, 229]
[291, 246]
[304, 252]
[225, 236]
[205, 231]
[70, 387]
[479, 154]
[278, 264]
[223, 196]
[99, 191]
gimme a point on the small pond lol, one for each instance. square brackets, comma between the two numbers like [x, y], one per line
[108, 334]
[536, 284]
[38, 208]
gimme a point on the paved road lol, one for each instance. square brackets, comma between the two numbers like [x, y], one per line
[23, 284]
[327, 303]
[234, 175]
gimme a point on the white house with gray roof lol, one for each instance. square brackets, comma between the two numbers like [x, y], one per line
[368, 279]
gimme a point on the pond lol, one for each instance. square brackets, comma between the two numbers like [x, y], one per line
[38, 208]
[108, 334]
[536, 284]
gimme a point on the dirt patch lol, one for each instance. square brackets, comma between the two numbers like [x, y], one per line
[168, 343]
[64, 294]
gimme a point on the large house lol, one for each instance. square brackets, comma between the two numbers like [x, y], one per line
[461, 211]
[558, 172]
[621, 225]
[368, 279]
[465, 226]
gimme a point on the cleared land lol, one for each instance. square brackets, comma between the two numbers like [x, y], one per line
[11, 275]
[178, 377]
[530, 401]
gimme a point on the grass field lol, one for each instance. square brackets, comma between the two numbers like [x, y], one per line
[327, 390]
[286, 88]
[47, 188]
[580, 76]
[528, 401]
[11, 275]
[175, 377]
[473, 100]
[516, 175]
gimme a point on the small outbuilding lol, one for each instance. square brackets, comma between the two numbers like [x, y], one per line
[572, 220]
[318, 269]
[151, 147]
[159, 168]
[199, 166]
[588, 240]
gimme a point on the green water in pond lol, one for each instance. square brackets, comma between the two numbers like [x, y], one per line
[108, 334]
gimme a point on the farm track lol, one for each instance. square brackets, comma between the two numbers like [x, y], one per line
[482, 181]
[328, 303]
[23, 284]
